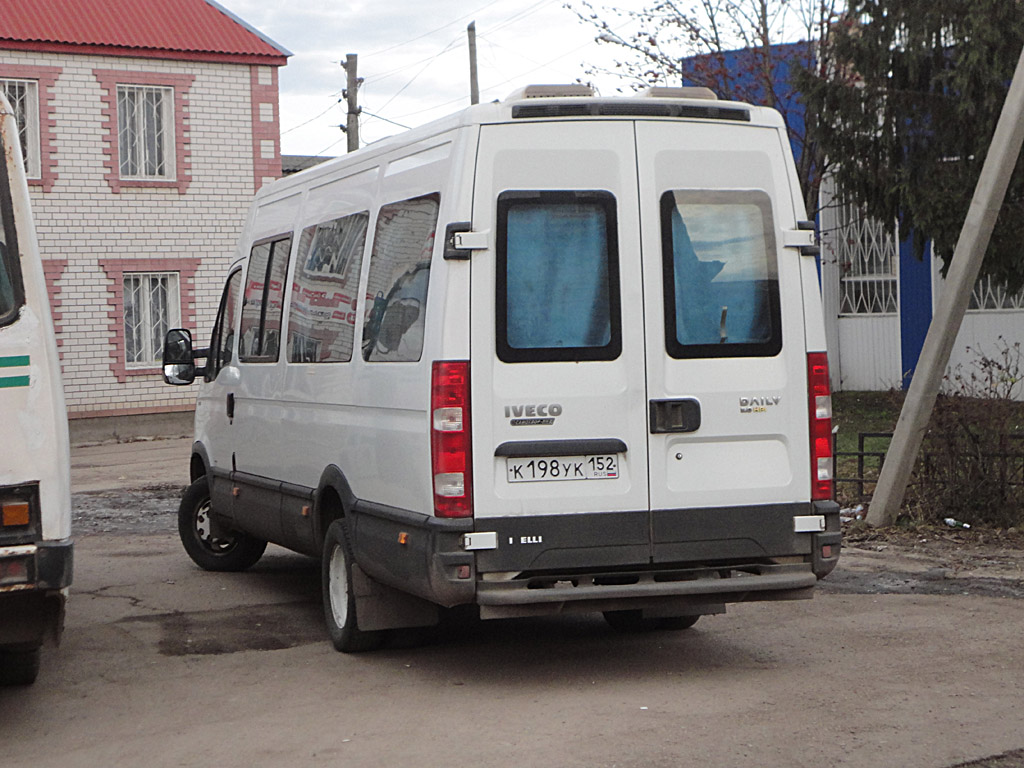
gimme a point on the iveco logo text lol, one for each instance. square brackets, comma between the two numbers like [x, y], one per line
[532, 415]
[757, 404]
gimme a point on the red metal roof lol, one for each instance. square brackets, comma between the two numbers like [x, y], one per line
[162, 28]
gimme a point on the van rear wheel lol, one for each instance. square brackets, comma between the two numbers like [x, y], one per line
[634, 621]
[19, 666]
[210, 549]
[339, 597]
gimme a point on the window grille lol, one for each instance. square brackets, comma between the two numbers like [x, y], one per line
[151, 307]
[867, 257]
[23, 96]
[145, 124]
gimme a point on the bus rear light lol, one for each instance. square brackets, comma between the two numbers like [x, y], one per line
[450, 445]
[14, 571]
[820, 409]
[15, 513]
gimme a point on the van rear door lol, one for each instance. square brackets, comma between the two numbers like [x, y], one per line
[726, 364]
[637, 345]
[557, 376]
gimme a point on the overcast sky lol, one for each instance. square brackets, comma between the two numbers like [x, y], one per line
[414, 57]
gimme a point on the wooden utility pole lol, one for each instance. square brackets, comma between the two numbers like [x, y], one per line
[963, 273]
[351, 94]
[474, 86]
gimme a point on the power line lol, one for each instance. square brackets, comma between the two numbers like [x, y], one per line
[300, 125]
[434, 31]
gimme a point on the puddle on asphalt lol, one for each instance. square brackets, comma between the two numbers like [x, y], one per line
[252, 628]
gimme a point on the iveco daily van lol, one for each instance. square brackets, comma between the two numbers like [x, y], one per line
[555, 353]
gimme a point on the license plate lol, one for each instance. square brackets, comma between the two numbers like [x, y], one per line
[531, 469]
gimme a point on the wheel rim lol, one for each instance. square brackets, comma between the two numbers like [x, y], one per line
[204, 531]
[337, 586]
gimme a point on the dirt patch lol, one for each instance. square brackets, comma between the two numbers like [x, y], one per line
[929, 560]
[153, 509]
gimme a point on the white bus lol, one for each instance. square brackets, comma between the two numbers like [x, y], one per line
[35, 493]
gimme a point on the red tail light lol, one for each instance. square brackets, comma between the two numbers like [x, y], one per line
[820, 397]
[450, 447]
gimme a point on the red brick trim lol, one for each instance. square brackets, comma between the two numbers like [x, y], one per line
[115, 269]
[53, 271]
[264, 131]
[180, 408]
[47, 78]
[159, 54]
[109, 79]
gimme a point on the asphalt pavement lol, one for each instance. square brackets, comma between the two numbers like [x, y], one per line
[144, 463]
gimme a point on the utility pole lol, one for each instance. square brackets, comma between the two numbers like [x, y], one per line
[474, 86]
[963, 272]
[351, 94]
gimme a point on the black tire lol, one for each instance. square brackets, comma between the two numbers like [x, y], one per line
[339, 599]
[19, 667]
[233, 552]
[634, 621]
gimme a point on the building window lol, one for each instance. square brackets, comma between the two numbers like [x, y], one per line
[151, 307]
[145, 131]
[23, 96]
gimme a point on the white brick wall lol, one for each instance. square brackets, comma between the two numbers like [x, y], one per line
[82, 220]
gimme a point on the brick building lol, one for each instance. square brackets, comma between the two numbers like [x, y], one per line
[147, 126]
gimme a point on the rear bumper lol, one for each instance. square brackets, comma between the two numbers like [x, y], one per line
[671, 561]
[32, 608]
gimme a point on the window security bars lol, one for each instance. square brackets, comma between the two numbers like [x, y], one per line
[867, 258]
[23, 96]
[150, 309]
[145, 131]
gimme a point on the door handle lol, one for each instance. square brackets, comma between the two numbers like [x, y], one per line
[682, 415]
[231, 405]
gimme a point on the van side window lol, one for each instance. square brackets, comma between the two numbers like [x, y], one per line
[557, 277]
[721, 276]
[322, 318]
[224, 328]
[260, 327]
[399, 274]
[11, 290]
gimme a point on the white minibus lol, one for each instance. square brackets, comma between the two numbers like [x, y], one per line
[554, 353]
[35, 495]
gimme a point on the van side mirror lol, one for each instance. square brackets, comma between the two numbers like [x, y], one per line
[179, 358]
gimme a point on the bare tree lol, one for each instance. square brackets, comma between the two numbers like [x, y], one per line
[744, 50]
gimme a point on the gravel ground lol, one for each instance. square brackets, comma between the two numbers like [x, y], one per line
[133, 511]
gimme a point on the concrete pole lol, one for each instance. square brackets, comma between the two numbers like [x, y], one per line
[352, 96]
[474, 86]
[963, 273]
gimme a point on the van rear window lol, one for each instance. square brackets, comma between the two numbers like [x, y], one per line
[396, 288]
[557, 277]
[720, 274]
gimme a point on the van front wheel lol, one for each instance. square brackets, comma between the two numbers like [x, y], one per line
[338, 594]
[210, 549]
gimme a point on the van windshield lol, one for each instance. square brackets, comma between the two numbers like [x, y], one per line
[10, 285]
[721, 282]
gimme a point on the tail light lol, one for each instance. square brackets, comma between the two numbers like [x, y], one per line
[820, 398]
[450, 447]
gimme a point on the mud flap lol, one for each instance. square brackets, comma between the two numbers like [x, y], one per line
[379, 606]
